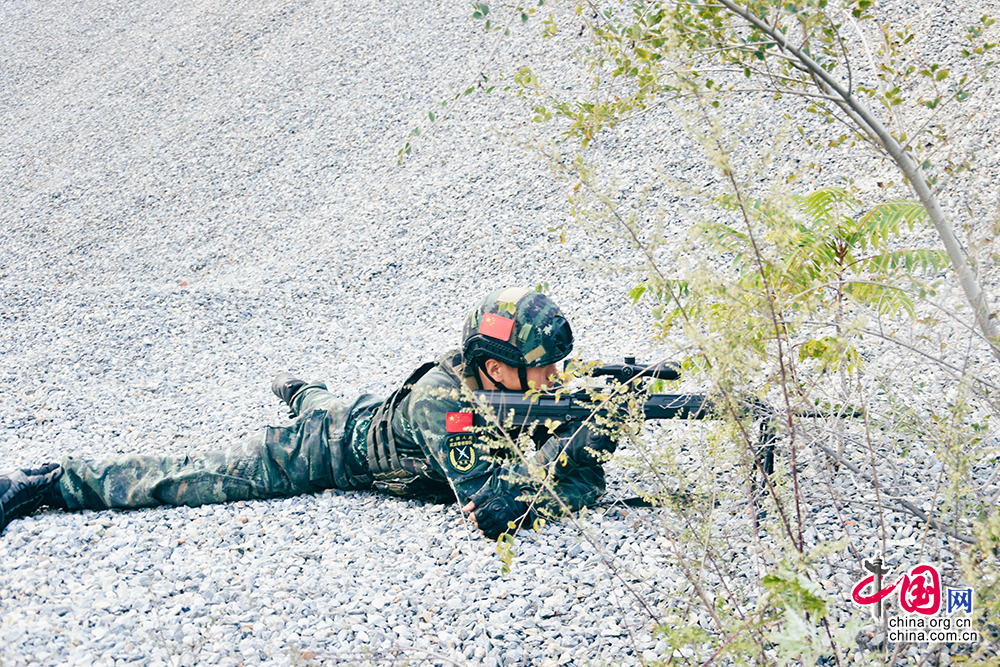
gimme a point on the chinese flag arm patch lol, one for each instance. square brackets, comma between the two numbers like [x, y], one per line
[496, 326]
[457, 422]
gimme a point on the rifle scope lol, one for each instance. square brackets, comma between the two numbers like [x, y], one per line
[628, 371]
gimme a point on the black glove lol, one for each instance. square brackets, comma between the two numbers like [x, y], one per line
[584, 443]
[285, 385]
[24, 491]
[495, 511]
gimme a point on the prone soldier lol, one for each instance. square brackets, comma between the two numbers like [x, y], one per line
[417, 443]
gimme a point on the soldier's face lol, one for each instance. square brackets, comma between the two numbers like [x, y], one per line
[542, 376]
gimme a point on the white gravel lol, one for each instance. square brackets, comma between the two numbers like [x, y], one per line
[197, 195]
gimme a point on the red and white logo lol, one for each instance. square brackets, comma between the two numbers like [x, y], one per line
[919, 589]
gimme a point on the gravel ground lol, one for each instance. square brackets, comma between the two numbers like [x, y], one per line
[196, 196]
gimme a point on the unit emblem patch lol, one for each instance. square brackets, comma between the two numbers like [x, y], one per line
[462, 456]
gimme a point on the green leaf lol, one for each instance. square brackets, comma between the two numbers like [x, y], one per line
[884, 299]
[636, 293]
[823, 204]
[505, 549]
[797, 592]
[885, 218]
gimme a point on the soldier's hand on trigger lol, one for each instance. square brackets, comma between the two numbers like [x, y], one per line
[584, 445]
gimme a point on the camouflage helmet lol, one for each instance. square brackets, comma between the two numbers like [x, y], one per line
[519, 327]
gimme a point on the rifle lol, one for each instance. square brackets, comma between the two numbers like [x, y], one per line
[576, 407]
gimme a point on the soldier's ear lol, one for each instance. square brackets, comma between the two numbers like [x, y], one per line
[501, 372]
[493, 367]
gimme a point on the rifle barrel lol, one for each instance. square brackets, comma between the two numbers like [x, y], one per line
[577, 406]
[676, 406]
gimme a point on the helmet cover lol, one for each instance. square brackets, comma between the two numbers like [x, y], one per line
[520, 327]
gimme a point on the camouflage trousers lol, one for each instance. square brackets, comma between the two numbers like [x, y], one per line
[318, 451]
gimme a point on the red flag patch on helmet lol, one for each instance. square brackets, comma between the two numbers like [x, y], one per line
[457, 422]
[496, 326]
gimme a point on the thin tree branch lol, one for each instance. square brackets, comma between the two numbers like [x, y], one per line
[905, 505]
[974, 293]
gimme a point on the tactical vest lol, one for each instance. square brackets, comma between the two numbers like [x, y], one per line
[393, 469]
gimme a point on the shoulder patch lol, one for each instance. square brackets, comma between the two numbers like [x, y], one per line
[462, 454]
[458, 422]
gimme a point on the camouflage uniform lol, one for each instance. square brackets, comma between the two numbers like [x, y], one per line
[331, 445]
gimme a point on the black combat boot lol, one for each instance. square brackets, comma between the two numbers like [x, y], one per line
[285, 385]
[24, 491]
